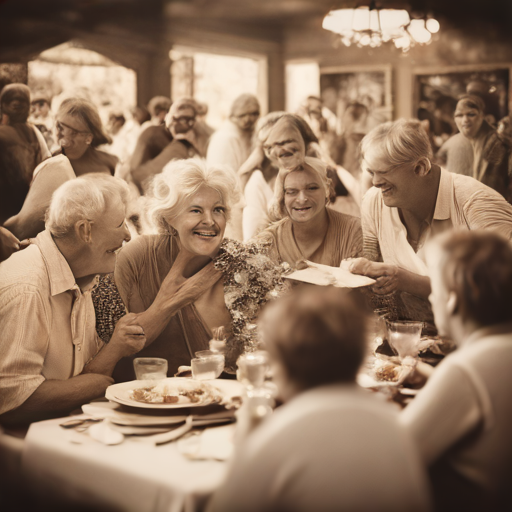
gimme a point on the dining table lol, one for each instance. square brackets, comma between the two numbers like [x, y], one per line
[132, 476]
[135, 471]
[76, 457]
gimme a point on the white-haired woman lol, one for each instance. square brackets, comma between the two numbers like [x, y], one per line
[305, 228]
[169, 278]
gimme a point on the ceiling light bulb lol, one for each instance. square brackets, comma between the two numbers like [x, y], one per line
[433, 25]
[338, 21]
[418, 31]
[403, 42]
[365, 40]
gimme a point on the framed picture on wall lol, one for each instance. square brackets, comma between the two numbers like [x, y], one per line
[361, 98]
[436, 91]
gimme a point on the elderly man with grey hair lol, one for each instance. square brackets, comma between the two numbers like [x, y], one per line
[411, 200]
[231, 145]
[51, 359]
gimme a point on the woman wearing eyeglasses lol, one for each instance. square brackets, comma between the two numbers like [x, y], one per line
[304, 227]
[79, 133]
[180, 142]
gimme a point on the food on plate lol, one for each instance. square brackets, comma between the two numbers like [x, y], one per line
[151, 396]
[188, 391]
[388, 373]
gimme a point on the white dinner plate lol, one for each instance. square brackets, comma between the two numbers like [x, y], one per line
[221, 388]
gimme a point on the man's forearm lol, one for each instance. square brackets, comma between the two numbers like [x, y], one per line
[413, 283]
[157, 316]
[57, 397]
[105, 361]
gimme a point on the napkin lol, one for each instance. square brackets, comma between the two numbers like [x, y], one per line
[215, 443]
[323, 275]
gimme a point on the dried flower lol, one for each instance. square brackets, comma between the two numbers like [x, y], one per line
[251, 279]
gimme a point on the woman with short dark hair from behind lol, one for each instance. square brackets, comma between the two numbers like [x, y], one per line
[316, 336]
[462, 418]
[332, 446]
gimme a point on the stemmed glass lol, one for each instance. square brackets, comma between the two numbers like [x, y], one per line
[404, 337]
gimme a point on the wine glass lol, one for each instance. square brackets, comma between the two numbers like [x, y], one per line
[404, 337]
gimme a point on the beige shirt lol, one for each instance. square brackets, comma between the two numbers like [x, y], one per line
[462, 419]
[343, 240]
[462, 202]
[47, 323]
[229, 148]
[258, 196]
[331, 448]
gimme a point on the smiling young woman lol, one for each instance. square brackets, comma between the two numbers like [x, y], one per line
[305, 228]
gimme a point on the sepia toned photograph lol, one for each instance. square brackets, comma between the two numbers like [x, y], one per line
[255, 256]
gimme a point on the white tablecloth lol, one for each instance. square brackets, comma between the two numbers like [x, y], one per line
[131, 476]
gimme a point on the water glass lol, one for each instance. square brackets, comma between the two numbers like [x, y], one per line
[207, 365]
[150, 368]
[252, 368]
[404, 337]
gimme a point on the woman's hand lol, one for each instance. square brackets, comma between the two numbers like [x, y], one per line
[386, 276]
[176, 292]
[181, 291]
[8, 243]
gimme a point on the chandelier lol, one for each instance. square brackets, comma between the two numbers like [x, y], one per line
[370, 26]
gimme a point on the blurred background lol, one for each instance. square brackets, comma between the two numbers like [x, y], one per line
[121, 53]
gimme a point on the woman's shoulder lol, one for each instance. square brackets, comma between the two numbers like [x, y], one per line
[58, 163]
[107, 159]
[145, 255]
[344, 220]
[272, 231]
[150, 244]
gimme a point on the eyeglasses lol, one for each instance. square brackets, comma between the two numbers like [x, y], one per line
[184, 119]
[71, 132]
[249, 114]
